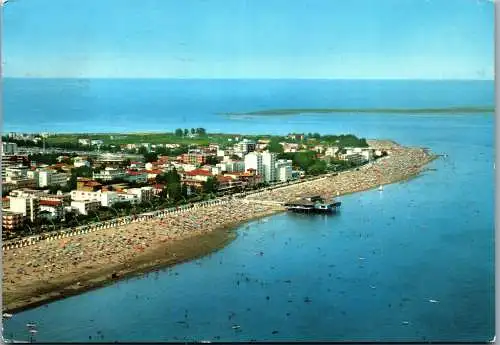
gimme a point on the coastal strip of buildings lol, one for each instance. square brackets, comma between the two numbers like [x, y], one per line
[33, 191]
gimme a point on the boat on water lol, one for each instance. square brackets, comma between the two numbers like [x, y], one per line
[313, 204]
[6, 315]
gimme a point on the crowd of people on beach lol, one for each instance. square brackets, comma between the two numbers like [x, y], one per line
[402, 163]
[26, 269]
[71, 257]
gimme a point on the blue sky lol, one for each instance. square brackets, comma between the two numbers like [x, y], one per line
[374, 39]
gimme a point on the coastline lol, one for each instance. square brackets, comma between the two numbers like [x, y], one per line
[29, 279]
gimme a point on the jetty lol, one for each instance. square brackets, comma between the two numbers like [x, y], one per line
[313, 204]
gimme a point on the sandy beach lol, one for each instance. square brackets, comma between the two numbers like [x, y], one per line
[52, 270]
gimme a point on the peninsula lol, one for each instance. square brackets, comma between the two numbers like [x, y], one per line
[353, 111]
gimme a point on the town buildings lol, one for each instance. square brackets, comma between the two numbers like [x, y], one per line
[11, 220]
[244, 147]
[110, 174]
[9, 148]
[253, 161]
[233, 165]
[283, 170]
[28, 205]
[52, 178]
[54, 208]
[269, 165]
[85, 207]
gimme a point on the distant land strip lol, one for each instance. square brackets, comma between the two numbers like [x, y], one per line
[448, 110]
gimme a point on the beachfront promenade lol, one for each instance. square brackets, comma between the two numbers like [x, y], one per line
[402, 163]
[158, 214]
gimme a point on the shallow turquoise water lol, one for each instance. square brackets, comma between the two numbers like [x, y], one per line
[367, 273]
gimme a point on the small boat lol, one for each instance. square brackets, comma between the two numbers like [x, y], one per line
[380, 188]
[30, 325]
[6, 315]
[433, 301]
[236, 327]
[405, 322]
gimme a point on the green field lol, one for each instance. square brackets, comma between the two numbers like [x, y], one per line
[223, 139]
[138, 138]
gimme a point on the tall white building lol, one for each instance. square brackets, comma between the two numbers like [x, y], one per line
[283, 170]
[16, 171]
[9, 148]
[29, 206]
[253, 160]
[52, 178]
[232, 166]
[245, 146]
[269, 165]
[143, 194]
[264, 163]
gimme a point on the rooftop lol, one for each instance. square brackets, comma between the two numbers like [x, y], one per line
[50, 202]
[199, 172]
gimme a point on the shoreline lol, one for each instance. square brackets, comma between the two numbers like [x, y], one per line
[155, 260]
[132, 250]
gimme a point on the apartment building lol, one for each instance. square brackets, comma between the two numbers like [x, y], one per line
[13, 160]
[269, 166]
[253, 160]
[80, 162]
[85, 206]
[244, 147]
[109, 174]
[231, 166]
[9, 148]
[52, 178]
[28, 205]
[136, 176]
[54, 208]
[144, 194]
[194, 158]
[16, 171]
[11, 220]
[89, 185]
[283, 170]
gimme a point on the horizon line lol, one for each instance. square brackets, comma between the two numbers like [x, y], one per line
[247, 78]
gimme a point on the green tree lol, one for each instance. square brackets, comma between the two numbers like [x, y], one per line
[174, 187]
[275, 146]
[82, 171]
[317, 168]
[211, 185]
[150, 157]
[178, 132]
[193, 131]
[212, 160]
[186, 132]
[304, 159]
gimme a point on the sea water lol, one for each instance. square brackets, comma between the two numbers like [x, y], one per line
[413, 262]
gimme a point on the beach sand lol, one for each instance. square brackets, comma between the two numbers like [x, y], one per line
[46, 271]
